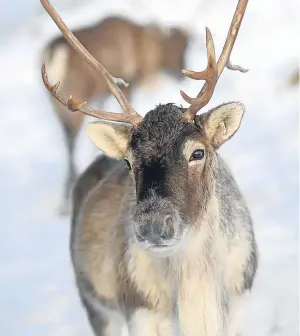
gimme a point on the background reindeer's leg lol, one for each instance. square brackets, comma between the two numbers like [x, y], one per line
[70, 123]
[70, 128]
[71, 169]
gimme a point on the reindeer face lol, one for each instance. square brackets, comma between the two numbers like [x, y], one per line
[167, 157]
[170, 160]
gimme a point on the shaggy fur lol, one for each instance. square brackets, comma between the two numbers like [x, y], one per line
[167, 245]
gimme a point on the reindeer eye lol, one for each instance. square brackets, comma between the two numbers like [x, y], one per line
[127, 164]
[198, 154]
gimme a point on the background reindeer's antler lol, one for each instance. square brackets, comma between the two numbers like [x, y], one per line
[129, 115]
[209, 74]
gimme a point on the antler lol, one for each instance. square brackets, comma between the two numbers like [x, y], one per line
[214, 69]
[129, 115]
[210, 75]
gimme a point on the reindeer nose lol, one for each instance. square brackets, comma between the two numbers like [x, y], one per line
[156, 232]
[168, 228]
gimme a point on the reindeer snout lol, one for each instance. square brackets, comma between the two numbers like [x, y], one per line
[156, 232]
[157, 223]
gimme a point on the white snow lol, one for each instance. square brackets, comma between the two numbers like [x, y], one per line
[37, 291]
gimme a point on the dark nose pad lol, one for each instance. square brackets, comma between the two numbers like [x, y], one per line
[167, 231]
[143, 232]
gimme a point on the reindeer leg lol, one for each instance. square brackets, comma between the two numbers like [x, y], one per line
[202, 302]
[70, 137]
[103, 315]
[149, 323]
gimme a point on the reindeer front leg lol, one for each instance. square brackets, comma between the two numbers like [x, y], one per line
[242, 265]
[202, 305]
[148, 322]
[241, 268]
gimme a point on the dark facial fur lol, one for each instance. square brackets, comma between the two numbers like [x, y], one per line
[167, 188]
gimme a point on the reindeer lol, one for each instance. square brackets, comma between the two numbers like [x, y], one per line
[135, 53]
[161, 235]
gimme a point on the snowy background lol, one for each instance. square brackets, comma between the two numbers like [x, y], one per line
[37, 292]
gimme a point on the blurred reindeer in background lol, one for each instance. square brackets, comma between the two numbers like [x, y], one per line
[130, 51]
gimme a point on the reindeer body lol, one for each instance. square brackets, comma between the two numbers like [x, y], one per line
[167, 242]
[130, 51]
[192, 290]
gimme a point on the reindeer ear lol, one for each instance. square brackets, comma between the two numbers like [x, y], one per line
[221, 123]
[111, 137]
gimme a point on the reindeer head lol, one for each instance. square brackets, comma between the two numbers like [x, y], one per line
[170, 152]
[170, 160]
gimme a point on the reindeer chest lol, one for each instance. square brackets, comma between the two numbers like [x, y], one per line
[151, 280]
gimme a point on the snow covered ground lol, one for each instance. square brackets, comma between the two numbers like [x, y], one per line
[37, 293]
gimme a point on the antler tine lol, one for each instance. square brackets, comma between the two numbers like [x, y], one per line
[210, 75]
[99, 68]
[206, 92]
[75, 106]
